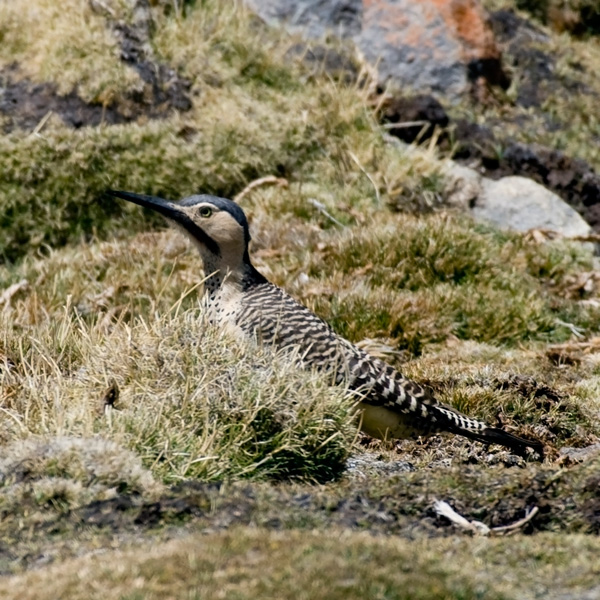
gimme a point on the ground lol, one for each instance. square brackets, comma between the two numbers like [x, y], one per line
[148, 455]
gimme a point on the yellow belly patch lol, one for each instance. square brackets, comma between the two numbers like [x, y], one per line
[383, 423]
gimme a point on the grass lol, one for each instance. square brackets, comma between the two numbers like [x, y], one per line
[429, 278]
[96, 306]
[451, 281]
[69, 46]
[53, 182]
[245, 563]
[52, 195]
[192, 403]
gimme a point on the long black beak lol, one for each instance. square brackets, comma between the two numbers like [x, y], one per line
[171, 211]
[164, 207]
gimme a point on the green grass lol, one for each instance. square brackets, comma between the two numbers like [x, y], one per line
[52, 194]
[424, 279]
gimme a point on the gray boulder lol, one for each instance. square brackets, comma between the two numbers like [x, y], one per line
[522, 204]
[312, 18]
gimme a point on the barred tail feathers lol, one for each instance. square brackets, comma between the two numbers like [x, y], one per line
[479, 431]
[493, 435]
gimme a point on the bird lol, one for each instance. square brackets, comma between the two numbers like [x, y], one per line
[237, 297]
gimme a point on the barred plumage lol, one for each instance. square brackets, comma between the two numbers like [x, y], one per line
[240, 298]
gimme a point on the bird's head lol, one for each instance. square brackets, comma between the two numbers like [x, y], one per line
[217, 226]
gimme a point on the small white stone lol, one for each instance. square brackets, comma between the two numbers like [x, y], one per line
[303, 279]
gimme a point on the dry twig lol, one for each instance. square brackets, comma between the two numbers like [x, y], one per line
[11, 290]
[321, 208]
[268, 180]
[445, 510]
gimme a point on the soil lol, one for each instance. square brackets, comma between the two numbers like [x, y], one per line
[579, 18]
[24, 104]
[375, 496]
[416, 117]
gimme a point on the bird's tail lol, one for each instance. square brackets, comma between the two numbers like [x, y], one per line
[493, 435]
[454, 422]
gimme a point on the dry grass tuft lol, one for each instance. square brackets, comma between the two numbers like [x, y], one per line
[57, 474]
[192, 402]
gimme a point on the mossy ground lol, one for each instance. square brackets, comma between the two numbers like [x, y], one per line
[551, 99]
[126, 421]
[240, 564]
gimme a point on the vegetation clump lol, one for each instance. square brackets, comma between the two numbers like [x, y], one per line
[191, 403]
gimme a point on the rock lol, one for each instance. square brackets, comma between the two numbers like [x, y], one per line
[521, 42]
[319, 59]
[312, 18]
[416, 116]
[439, 46]
[574, 180]
[578, 455]
[522, 204]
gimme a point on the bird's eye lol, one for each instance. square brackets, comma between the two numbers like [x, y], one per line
[205, 211]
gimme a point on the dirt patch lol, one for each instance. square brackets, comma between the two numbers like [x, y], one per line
[578, 17]
[414, 117]
[24, 103]
[400, 506]
[529, 387]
